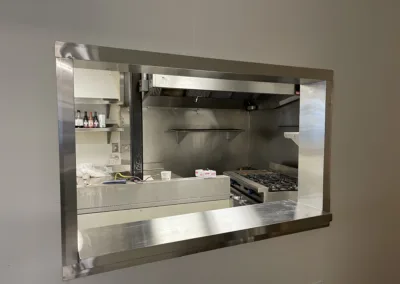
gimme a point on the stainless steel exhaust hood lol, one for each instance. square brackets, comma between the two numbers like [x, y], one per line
[197, 92]
[209, 84]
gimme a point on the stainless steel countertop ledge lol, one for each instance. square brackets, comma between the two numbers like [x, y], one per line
[118, 246]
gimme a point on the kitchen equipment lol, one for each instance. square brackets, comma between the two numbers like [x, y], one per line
[278, 183]
[152, 194]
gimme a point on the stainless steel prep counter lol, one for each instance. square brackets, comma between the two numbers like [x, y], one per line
[155, 175]
[113, 197]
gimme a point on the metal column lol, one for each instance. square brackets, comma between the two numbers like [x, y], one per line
[136, 122]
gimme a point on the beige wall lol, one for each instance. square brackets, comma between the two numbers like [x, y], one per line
[359, 39]
[99, 84]
[93, 147]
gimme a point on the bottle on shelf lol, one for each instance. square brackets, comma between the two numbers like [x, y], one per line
[85, 120]
[95, 120]
[78, 119]
[91, 120]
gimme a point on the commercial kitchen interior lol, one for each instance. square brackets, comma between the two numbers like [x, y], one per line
[357, 39]
[250, 138]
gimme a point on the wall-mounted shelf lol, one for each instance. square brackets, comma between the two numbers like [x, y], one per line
[88, 101]
[181, 133]
[287, 101]
[105, 102]
[108, 130]
[105, 129]
[292, 135]
[275, 102]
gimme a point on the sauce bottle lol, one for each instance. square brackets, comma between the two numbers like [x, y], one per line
[85, 120]
[91, 123]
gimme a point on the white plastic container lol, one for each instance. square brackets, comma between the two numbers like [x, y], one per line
[166, 175]
[199, 173]
[208, 173]
[102, 120]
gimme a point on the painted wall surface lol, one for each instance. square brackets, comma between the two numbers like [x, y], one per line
[97, 84]
[102, 84]
[359, 39]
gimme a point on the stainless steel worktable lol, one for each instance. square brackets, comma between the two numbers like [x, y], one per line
[155, 175]
[162, 238]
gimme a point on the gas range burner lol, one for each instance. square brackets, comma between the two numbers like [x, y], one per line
[273, 181]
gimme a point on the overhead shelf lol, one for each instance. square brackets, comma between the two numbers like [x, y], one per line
[106, 102]
[107, 130]
[181, 133]
[89, 101]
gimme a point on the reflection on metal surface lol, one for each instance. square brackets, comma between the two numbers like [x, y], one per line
[199, 150]
[311, 144]
[326, 203]
[101, 219]
[125, 136]
[289, 171]
[136, 126]
[104, 198]
[267, 129]
[169, 64]
[190, 102]
[162, 238]
[66, 135]
[122, 89]
[229, 133]
[209, 84]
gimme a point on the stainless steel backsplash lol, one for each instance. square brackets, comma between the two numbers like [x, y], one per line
[196, 150]
[261, 142]
[267, 141]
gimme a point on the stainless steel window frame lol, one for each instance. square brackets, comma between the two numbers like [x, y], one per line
[70, 55]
